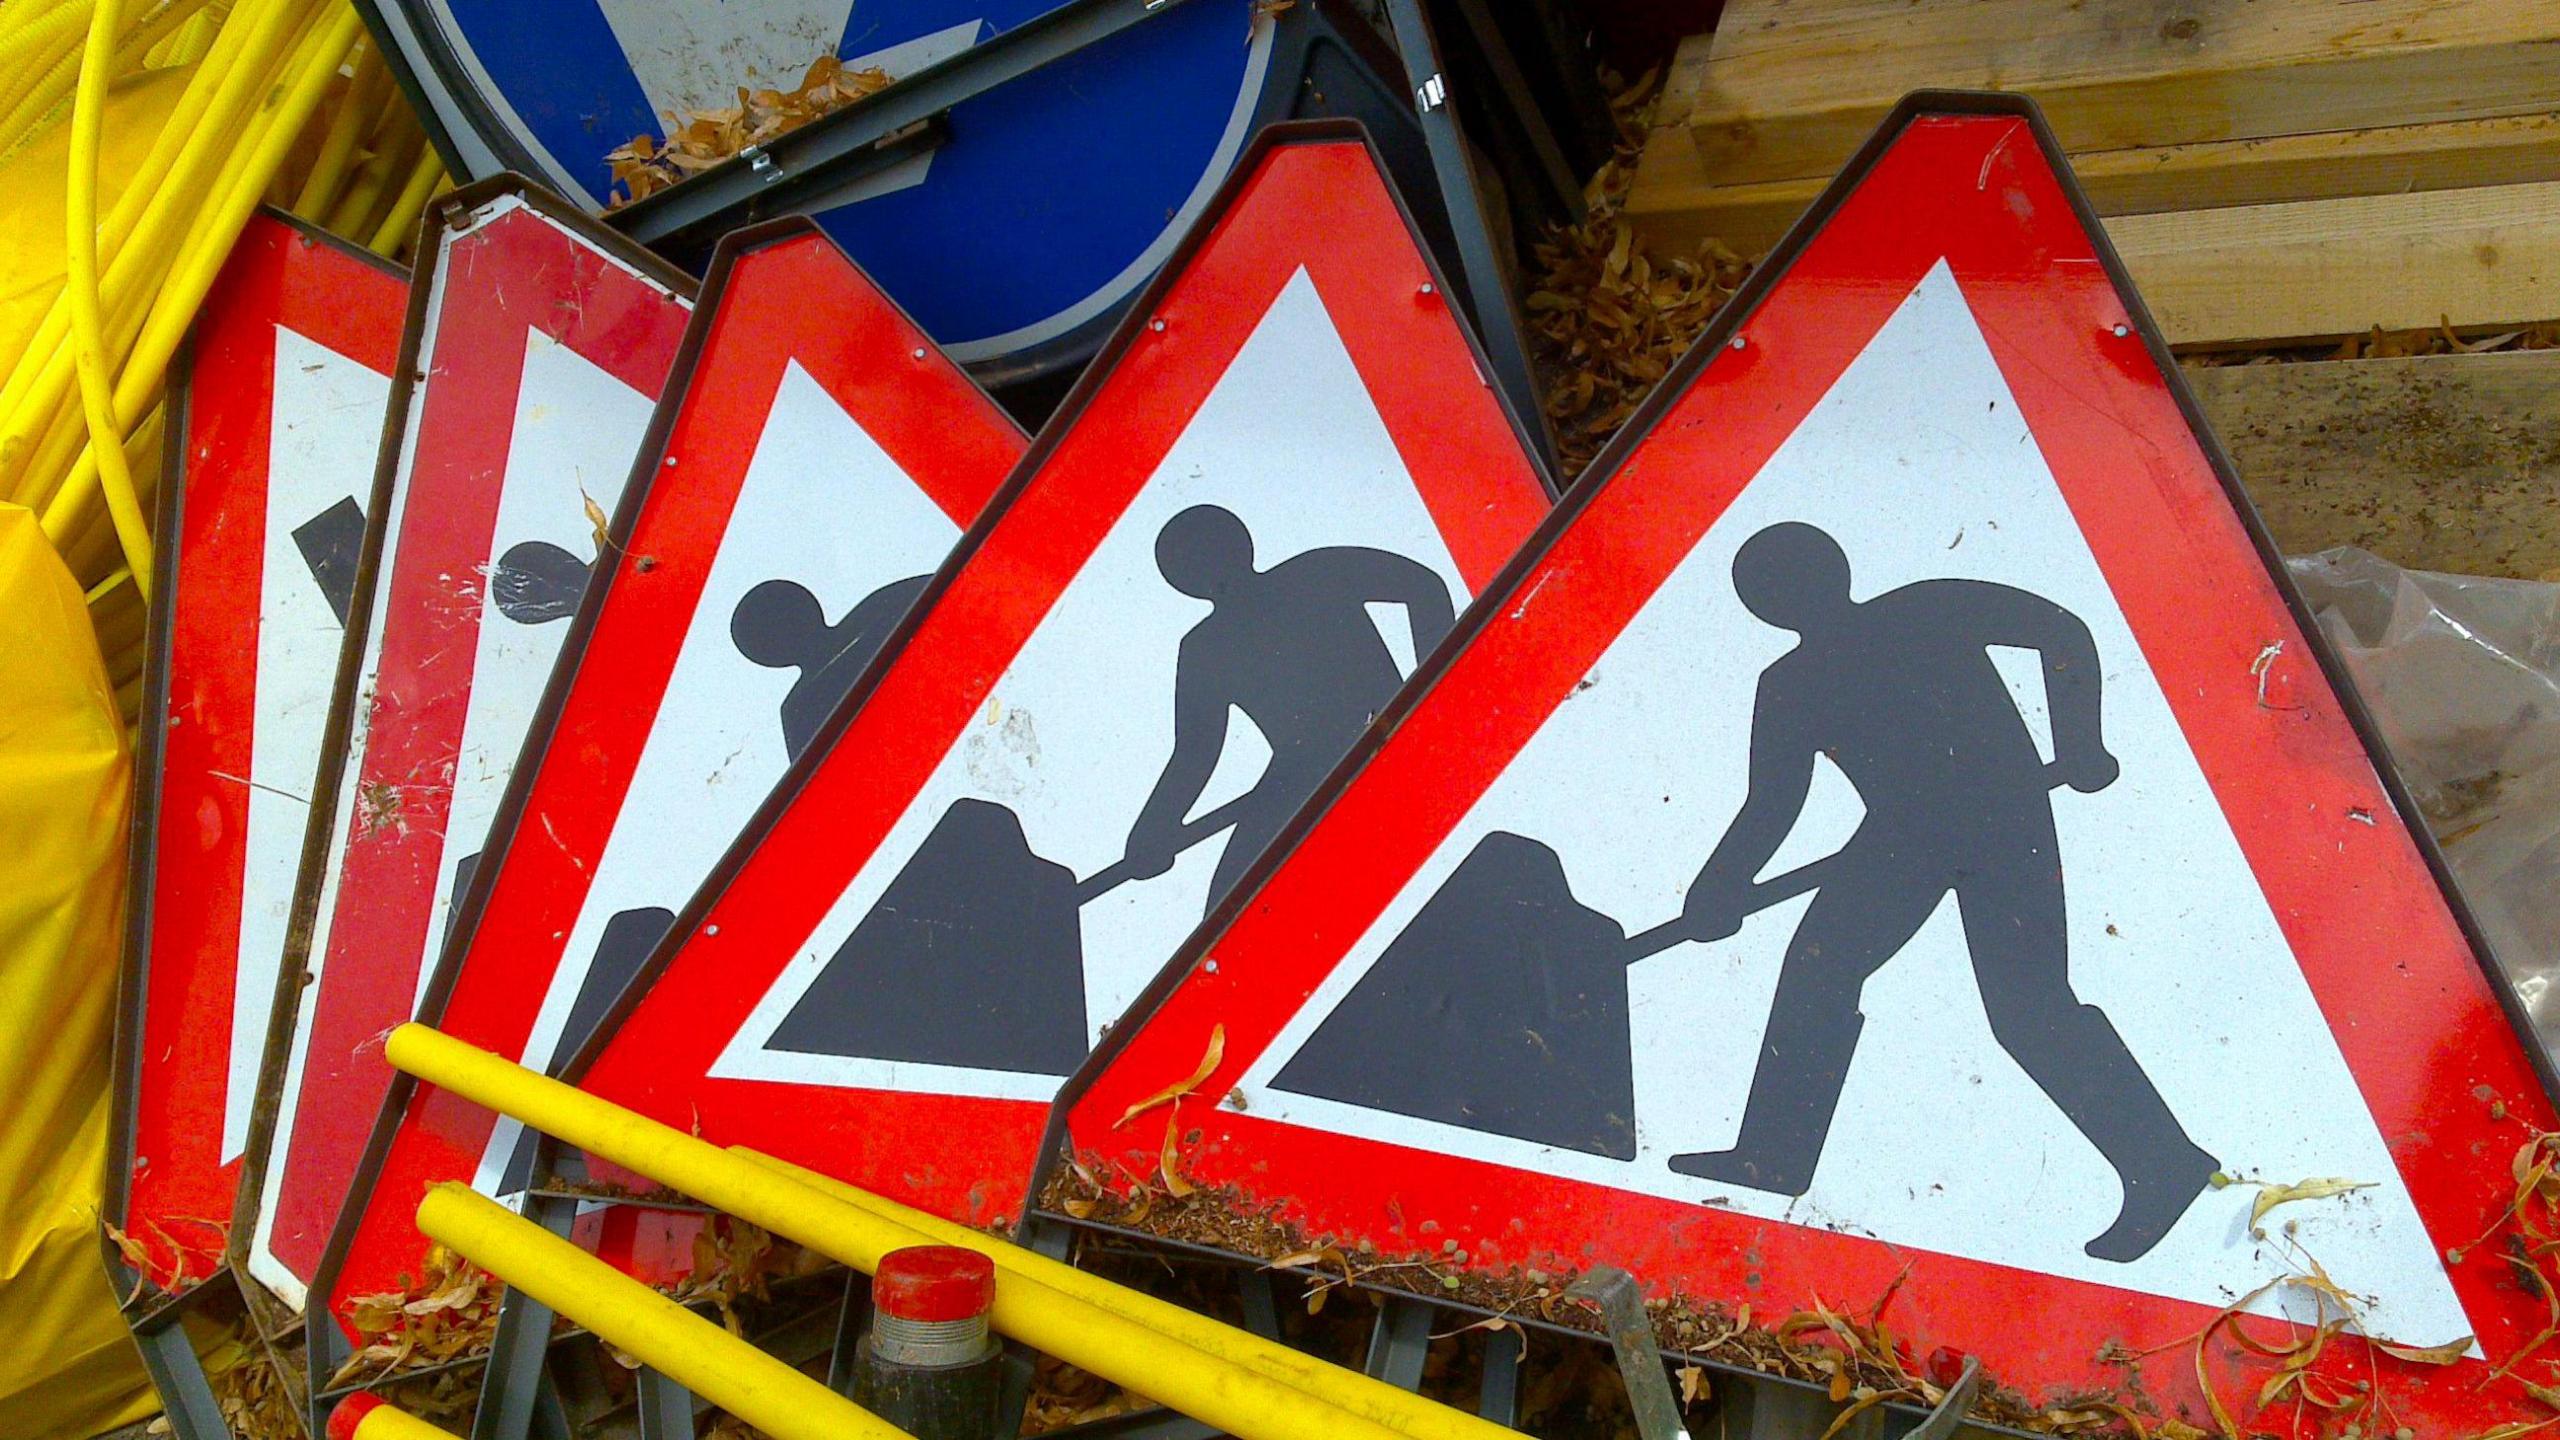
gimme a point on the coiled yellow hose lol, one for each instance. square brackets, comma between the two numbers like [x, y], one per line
[282, 101]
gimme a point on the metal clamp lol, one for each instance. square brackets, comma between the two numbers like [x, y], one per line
[1621, 1306]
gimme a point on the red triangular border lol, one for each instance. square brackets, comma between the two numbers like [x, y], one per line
[2426, 1026]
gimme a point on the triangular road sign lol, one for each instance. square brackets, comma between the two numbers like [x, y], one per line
[278, 408]
[536, 345]
[814, 460]
[1255, 513]
[1893, 834]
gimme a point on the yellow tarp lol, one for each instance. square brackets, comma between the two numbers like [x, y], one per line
[67, 1366]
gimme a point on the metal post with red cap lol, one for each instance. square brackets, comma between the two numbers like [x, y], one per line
[930, 1363]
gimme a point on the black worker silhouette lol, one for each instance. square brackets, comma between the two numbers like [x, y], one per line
[1502, 1007]
[781, 626]
[537, 582]
[1292, 647]
[330, 542]
[974, 954]
[1901, 694]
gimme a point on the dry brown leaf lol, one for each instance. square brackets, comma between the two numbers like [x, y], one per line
[702, 139]
[1208, 1065]
[2271, 1196]
[1170, 1163]
[2445, 1354]
[1863, 1404]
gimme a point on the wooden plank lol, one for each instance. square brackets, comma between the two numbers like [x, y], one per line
[1672, 204]
[2441, 462]
[2314, 269]
[1792, 86]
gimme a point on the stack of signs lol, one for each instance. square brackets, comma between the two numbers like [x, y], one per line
[276, 411]
[1266, 501]
[813, 461]
[1891, 842]
[536, 346]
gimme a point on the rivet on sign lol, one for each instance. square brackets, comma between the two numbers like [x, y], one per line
[1211, 967]
[710, 929]
[1156, 324]
[919, 352]
[1426, 287]
[670, 462]
[2122, 329]
[1739, 342]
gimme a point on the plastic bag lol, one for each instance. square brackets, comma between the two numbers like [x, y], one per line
[2462, 675]
[68, 1367]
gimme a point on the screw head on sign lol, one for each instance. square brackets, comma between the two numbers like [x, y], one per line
[919, 353]
[1157, 324]
[1739, 342]
[2122, 329]
[1426, 287]
[710, 929]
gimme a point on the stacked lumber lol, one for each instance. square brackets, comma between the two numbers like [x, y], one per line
[2277, 174]
[2272, 169]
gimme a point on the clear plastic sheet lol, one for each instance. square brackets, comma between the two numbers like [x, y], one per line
[2462, 675]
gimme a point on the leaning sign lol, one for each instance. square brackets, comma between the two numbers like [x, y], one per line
[278, 408]
[1893, 845]
[536, 346]
[814, 460]
[1266, 501]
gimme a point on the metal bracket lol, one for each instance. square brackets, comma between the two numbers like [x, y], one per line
[1401, 1342]
[1630, 1330]
[516, 1397]
[666, 1408]
[186, 1395]
[1497, 314]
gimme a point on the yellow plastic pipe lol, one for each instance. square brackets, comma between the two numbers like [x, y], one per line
[88, 325]
[200, 262]
[701, 1356]
[1361, 1394]
[1240, 1401]
[402, 222]
[206, 116]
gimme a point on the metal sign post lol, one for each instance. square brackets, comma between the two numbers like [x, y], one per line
[814, 459]
[536, 343]
[1266, 500]
[1919, 590]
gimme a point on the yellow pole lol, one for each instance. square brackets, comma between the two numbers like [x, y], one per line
[1358, 1393]
[364, 1416]
[701, 1356]
[1242, 1402]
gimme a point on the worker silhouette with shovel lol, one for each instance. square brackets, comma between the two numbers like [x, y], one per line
[973, 955]
[1901, 694]
[1292, 647]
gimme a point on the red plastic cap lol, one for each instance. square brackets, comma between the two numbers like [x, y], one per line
[350, 1414]
[934, 1283]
